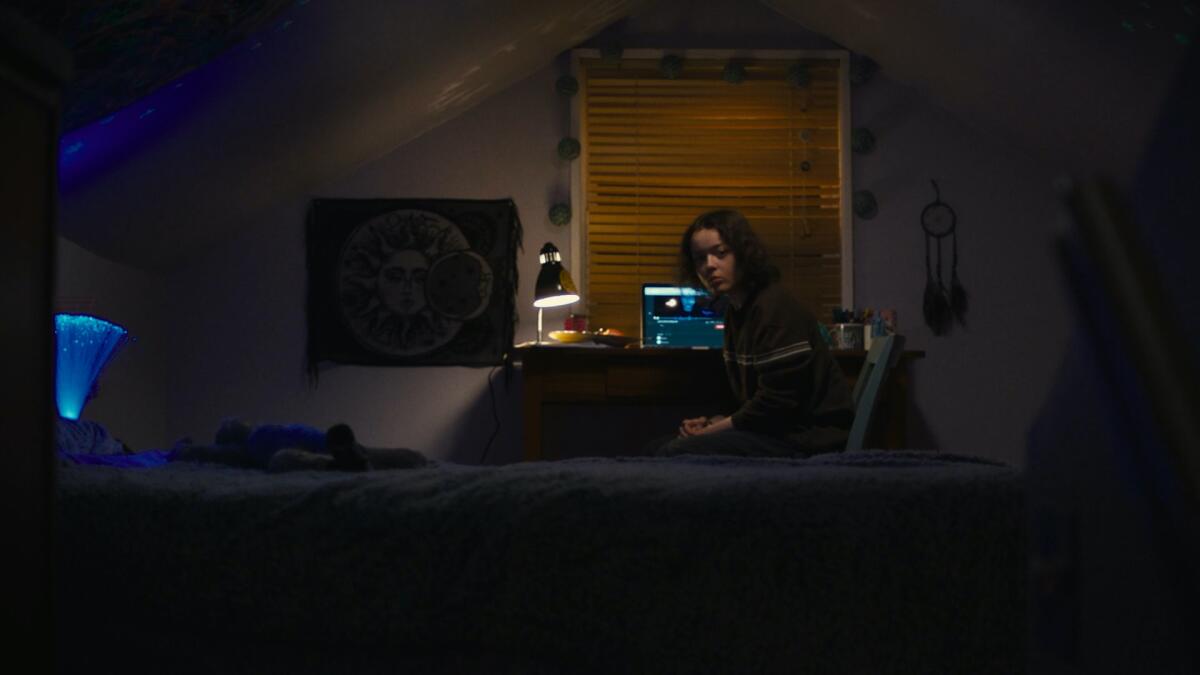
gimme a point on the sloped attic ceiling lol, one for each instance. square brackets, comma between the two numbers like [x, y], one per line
[346, 83]
[349, 82]
[1075, 83]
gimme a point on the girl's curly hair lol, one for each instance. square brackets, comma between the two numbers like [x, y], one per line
[753, 268]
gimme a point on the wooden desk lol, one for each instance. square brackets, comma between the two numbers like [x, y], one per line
[607, 375]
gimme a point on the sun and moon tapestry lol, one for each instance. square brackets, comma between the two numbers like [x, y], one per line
[411, 282]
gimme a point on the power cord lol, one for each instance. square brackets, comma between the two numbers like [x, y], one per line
[495, 416]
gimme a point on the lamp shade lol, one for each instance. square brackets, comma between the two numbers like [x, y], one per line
[85, 344]
[554, 285]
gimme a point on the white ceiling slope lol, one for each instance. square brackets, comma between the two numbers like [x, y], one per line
[1060, 78]
[347, 83]
[352, 81]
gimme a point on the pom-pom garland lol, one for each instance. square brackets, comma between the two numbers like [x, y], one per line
[568, 148]
[611, 53]
[734, 72]
[560, 214]
[670, 66]
[798, 75]
[861, 69]
[862, 140]
[865, 206]
[567, 85]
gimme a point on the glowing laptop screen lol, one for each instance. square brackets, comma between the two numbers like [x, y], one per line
[678, 316]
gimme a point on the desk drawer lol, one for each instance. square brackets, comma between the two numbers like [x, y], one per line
[665, 384]
[579, 384]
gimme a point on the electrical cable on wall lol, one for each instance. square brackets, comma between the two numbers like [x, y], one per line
[495, 415]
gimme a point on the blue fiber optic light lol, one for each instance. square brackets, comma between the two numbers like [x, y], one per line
[85, 345]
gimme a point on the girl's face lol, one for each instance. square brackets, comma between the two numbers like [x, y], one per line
[714, 262]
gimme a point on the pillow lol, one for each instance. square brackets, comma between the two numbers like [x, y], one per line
[86, 438]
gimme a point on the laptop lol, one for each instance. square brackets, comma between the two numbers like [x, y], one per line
[681, 317]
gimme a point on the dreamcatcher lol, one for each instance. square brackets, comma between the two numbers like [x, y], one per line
[943, 305]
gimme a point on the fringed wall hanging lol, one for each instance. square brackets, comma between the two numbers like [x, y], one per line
[943, 304]
[411, 282]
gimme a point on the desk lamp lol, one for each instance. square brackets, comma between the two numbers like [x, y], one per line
[85, 345]
[554, 285]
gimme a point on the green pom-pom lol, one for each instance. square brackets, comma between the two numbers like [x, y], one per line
[567, 85]
[670, 66]
[862, 140]
[611, 53]
[734, 72]
[798, 75]
[560, 214]
[568, 148]
[861, 69]
[865, 206]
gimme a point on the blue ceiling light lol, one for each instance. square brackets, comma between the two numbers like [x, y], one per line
[100, 145]
[84, 346]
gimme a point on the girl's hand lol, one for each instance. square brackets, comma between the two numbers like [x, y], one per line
[693, 426]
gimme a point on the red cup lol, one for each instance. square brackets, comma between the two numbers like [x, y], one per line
[576, 322]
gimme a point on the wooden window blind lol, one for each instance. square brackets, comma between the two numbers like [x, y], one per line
[658, 152]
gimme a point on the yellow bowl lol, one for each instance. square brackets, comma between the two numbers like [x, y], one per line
[570, 335]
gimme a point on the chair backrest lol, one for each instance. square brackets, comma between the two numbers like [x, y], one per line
[868, 385]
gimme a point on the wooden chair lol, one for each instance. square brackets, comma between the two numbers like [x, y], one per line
[868, 385]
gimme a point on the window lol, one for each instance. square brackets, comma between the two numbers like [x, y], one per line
[657, 152]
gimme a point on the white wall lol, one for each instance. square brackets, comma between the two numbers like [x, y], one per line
[243, 352]
[131, 398]
[237, 325]
[978, 388]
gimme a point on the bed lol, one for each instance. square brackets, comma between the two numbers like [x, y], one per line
[860, 562]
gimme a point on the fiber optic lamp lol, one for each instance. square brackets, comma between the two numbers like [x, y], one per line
[84, 346]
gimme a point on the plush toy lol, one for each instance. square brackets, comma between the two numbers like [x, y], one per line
[294, 447]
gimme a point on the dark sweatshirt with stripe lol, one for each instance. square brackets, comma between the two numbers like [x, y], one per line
[781, 370]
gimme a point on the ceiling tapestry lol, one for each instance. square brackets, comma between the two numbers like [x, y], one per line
[125, 49]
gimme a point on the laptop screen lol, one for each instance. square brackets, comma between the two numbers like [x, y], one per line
[679, 316]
